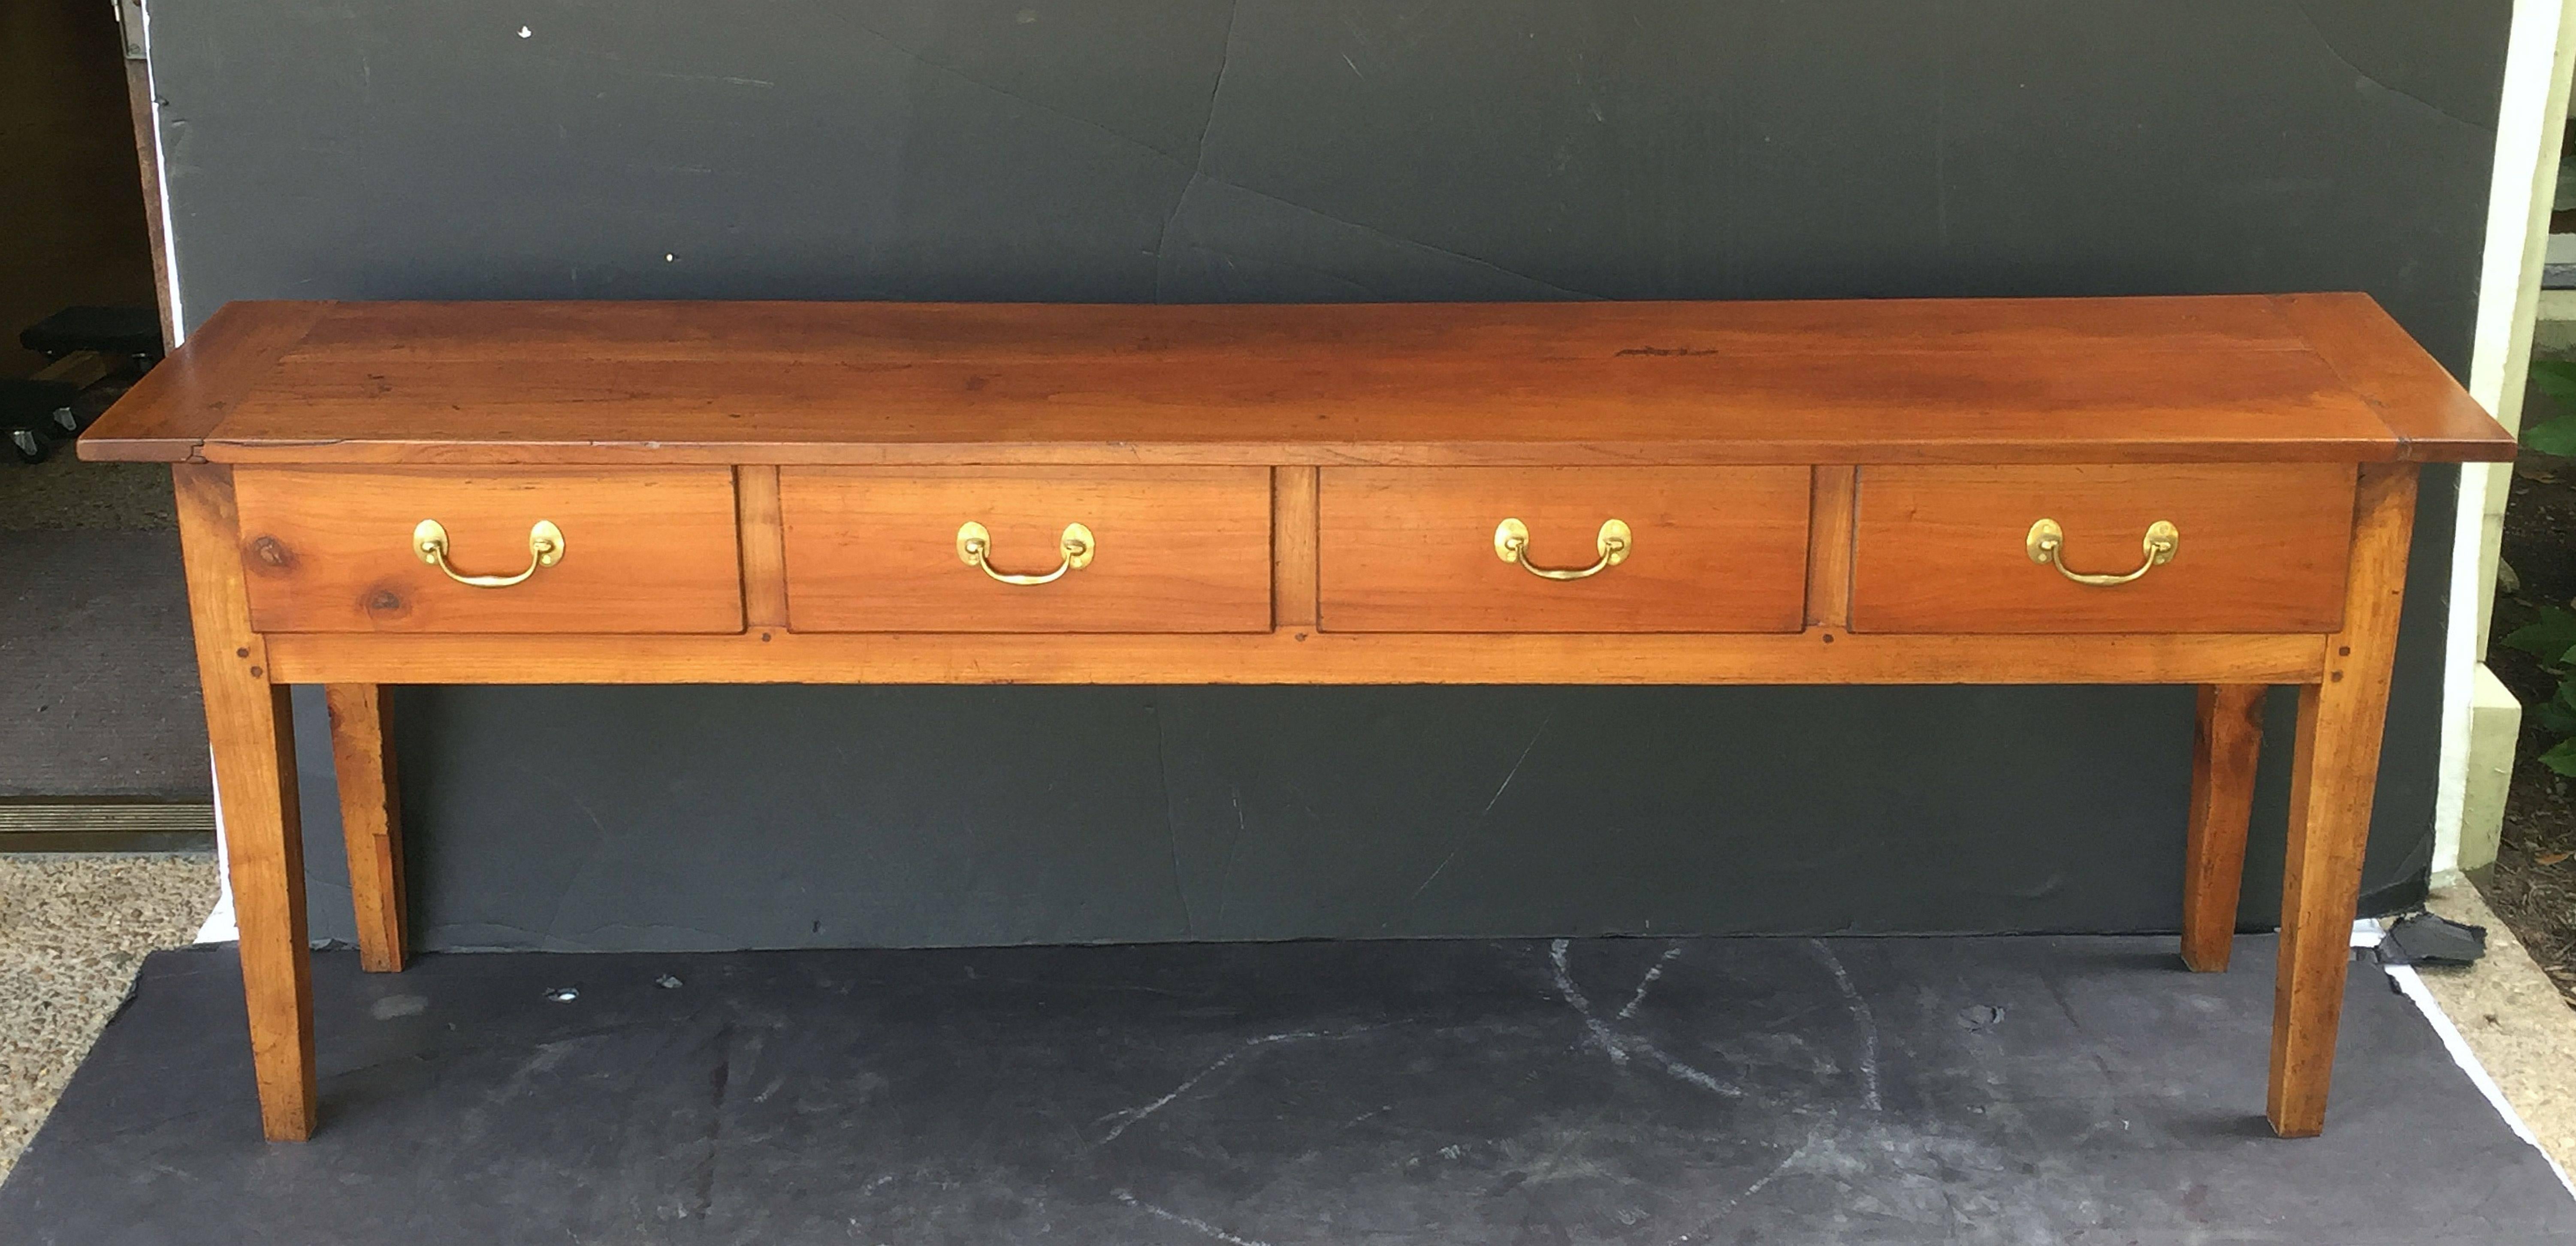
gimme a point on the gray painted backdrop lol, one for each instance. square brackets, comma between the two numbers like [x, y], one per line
[1204, 150]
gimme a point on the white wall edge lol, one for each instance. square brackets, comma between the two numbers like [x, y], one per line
[220, 927]
[161, 187]
[2536, 52]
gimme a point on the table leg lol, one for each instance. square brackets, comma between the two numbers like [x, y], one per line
[251, 725]
[2334, 774]
[2225, 743]
[370, 820]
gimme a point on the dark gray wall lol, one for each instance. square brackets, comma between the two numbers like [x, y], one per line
[1201, 150]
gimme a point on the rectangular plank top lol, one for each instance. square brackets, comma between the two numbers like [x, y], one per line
[2318, 377]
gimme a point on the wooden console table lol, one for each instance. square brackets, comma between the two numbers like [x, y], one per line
[2212, 491]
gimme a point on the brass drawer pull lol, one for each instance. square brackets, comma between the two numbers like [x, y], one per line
[2046, 538]
[1511, 544]
[975, 545]
[545, 549]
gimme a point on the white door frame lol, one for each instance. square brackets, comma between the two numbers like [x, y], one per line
[2530, 123]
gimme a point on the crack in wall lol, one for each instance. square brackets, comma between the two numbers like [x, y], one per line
[1171, 824]
[1469, 834]
[2327, 42]
[1198, 151]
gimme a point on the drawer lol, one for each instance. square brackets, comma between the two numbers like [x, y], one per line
[328, 550]
[1173, 550]
[2258, 548]
[1714, 549]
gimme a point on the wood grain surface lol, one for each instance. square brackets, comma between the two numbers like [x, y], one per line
[362, 759]
[2334, 780]
[2216, 378]
[167, 415]
[1716, 549]
[329, 550]
[250, 721]
[1176, 549]
[1941, 549]
[2227, 740]
[1293, 657]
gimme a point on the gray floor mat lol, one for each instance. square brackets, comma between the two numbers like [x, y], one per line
[1975, 1091]
[98, 683]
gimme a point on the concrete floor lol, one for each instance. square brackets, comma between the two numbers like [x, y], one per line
[63, 493]
[101, 702]
[101, 699]
[2515, 1021]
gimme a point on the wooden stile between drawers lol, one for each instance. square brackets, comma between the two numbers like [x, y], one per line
[764, 547]
[1292, 520]
[1829, 546]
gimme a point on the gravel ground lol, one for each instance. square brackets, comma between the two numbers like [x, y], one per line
[72, 930]
[2511, 1016]
[2533, 884]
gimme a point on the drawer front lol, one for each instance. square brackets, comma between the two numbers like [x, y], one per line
[329, 550]
[1715, 549]
[878, 549]
[2257, 548]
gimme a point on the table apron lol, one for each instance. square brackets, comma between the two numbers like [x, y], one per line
[1814, 656]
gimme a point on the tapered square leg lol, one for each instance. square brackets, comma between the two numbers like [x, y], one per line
[2334, 774]
[251, 725]
[2225, 743]
[370, 820]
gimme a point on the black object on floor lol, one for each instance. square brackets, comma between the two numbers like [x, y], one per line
[2432, 939]
[36, 416]
[2057, 1090]
[131, 332]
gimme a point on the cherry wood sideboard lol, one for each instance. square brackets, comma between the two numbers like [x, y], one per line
[2216, 491]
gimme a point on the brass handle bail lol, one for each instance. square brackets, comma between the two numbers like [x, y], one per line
[2047, 540]
[1613, 543]
[975, 548]
[545, 549]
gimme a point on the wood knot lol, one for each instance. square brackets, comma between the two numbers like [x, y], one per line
[383, 602]
[270, 550]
